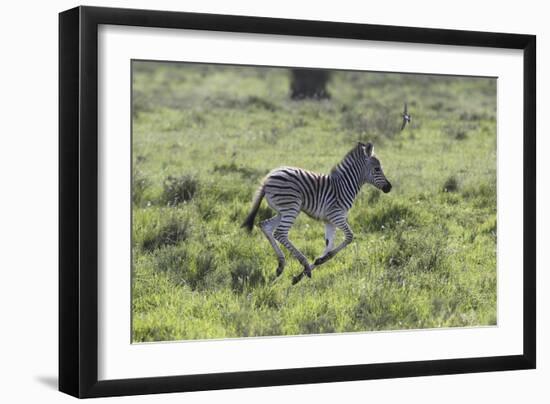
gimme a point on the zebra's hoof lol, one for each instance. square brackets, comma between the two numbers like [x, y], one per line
[297, 278]
[307, 272]
[279, 270]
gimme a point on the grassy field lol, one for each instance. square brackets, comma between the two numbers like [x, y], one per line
[423, 256]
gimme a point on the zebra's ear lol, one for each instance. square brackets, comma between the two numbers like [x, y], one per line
[368, 148]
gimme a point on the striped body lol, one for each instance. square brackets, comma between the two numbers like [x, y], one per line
[316, 192]
[291, 190]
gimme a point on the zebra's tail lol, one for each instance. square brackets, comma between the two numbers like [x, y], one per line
[249, 221]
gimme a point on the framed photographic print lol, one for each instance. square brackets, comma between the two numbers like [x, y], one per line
[251, 201]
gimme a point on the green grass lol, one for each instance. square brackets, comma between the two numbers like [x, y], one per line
[423, 256]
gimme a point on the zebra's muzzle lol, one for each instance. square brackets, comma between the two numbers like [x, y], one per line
[386, 188]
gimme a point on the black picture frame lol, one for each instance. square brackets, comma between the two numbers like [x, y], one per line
[78, 201]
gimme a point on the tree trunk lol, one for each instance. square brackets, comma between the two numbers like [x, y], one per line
[309, 83]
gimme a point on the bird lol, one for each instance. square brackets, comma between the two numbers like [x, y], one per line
[406, 117]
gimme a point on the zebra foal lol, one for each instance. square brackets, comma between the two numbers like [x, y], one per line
[290, 190]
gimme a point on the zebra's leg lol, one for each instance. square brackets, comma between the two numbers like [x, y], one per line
[281, 235]
[330, 232]
[343, 225]
[267, 227]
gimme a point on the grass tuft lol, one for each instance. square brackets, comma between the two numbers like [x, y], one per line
[179, 189]
[245, 276]
[172, 232]
[389, 215]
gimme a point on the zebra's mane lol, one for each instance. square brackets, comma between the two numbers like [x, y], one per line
[352, 154]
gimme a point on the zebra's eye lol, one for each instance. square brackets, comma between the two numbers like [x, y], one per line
[376, 169]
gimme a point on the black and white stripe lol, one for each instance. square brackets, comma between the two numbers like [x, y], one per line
[290, 190]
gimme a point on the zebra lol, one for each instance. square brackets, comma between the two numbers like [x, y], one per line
[328, 198]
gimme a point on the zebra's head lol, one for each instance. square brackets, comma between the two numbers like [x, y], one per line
[373, 171]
